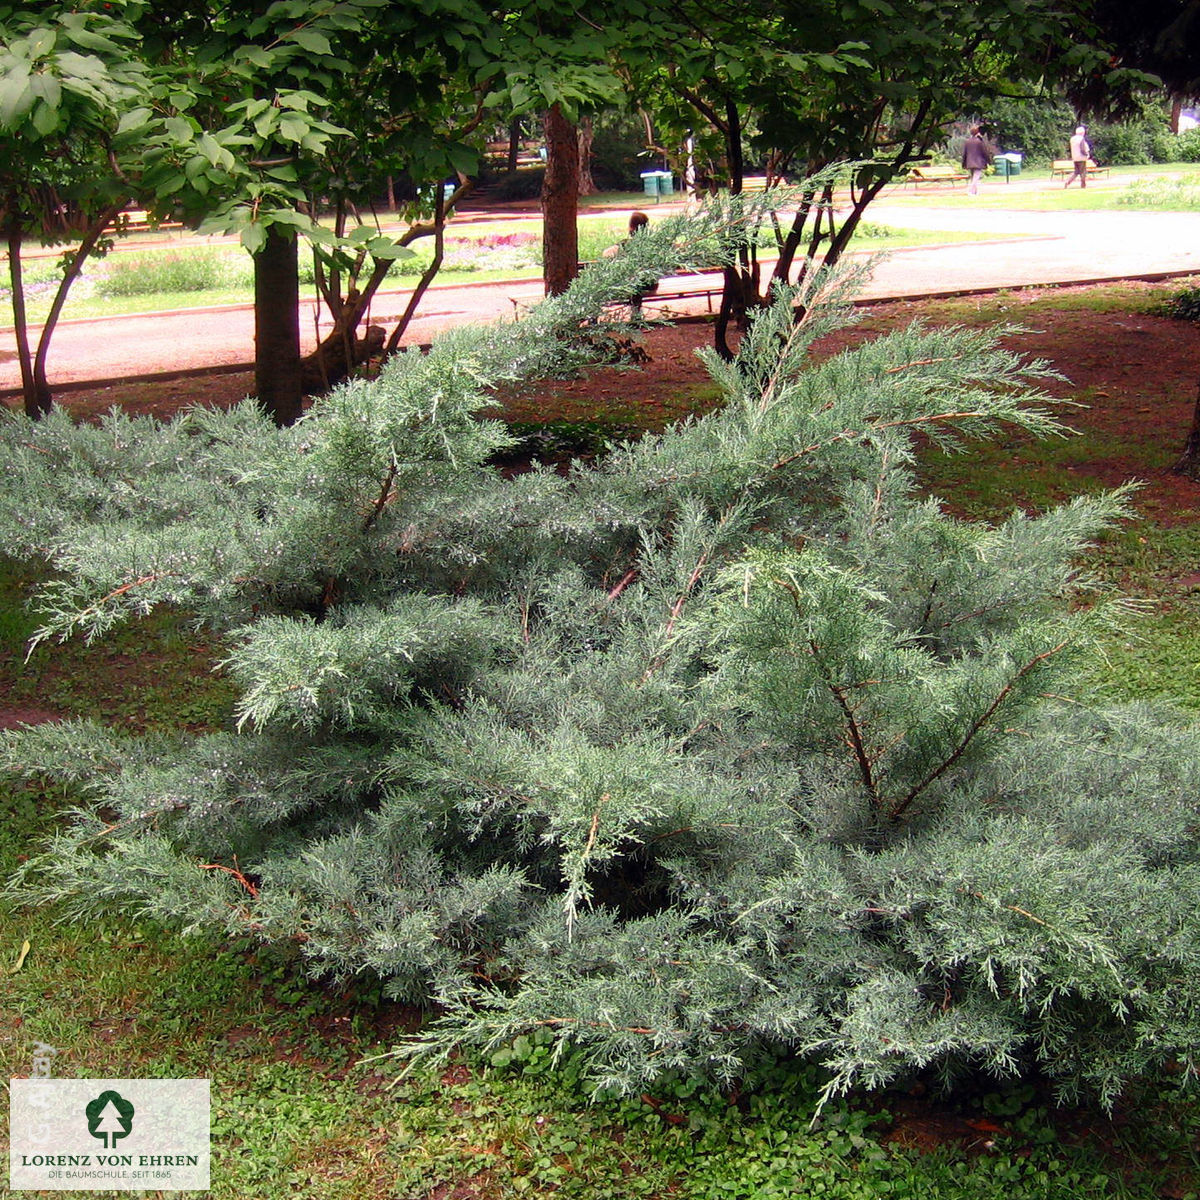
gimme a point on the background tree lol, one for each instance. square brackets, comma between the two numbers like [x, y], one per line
[564, 68]
[242, 135]
[560, 202]
[139, 101]
[69, 78]
[326, 106]
[273, 114]
[802, 86]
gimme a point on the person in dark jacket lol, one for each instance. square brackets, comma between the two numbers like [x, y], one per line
[976, 158]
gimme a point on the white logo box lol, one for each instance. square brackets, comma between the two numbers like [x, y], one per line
[108, 1134]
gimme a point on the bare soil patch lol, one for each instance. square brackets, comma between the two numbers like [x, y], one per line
[157, 398]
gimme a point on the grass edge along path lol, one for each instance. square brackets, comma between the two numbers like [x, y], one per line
[82, 306]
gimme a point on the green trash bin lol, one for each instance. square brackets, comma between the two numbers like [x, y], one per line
[650, 183]
[666, 183]
[1008, 164]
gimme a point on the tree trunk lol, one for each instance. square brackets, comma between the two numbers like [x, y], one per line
[36, 405]
[91, 236]
[841, 239]
[1189, 462]
[795, 235]
[428, 275]
[560, 204]
[587, 185]
[741, 275]
[514, 144]
[277, 327]
[341, 350]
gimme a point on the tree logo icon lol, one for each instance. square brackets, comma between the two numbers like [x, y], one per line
[109, 1116]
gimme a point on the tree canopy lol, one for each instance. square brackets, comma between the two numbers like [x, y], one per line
[870, 82]
[248, 120]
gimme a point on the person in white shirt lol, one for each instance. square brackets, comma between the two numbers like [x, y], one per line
[1081, 151]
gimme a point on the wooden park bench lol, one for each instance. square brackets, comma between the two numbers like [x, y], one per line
[1064, 166]
[681, 291]
[137, 220]
[934, 174]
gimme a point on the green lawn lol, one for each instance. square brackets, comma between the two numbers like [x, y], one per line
[1166, 187]
[1155, 654]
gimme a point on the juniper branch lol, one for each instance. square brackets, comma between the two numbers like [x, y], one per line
[975, 728]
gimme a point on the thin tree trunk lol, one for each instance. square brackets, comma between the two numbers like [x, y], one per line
[795, 235]
[341, 350]
[560, 204]
[1189, 461]
[277, 328]
[514, 143]
[733, 147]
[822, 211]
[35, 406]
[841, 239]
[649, 128]
[427, 277]
[91, 236]
[737, 274]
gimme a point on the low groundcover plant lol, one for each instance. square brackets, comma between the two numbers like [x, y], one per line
[731, 741]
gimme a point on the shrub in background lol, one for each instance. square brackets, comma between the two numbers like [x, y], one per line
[1128, 143]
[1039, 128]
[525, 184]
[1164, 193]
[618, 151]
[127, 274]
[1143, 138]
[40, 274]
[732, 742]
[1042, 129]
[1184, 305]
[1165, 146]
[1187, 146]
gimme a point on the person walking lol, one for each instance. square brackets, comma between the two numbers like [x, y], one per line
[1081, 153]
[976, 158]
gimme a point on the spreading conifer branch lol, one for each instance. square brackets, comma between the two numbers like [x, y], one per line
[980, 723]
[588, 753]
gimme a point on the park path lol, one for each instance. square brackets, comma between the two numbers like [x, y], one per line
[1023, 248]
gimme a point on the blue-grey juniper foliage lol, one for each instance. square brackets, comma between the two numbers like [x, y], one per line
[731, 742]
